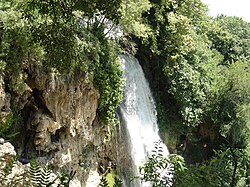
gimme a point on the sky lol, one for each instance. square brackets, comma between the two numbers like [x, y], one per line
[240, 8]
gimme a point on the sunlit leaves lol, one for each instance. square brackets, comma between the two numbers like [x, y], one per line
[132, 20]
[230, 36]
[66, 36]
[157, 169]
[108, 78]
[228, 167]
[15, 39]
[231, 102]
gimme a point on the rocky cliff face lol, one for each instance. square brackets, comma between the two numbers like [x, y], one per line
[59, 122]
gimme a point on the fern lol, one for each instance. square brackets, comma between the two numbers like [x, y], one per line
[45, 176]
[104, 182]
[118, 182]
[65, 177]
[5, 123]
[35, 171]
[36, 176]
[39, 175]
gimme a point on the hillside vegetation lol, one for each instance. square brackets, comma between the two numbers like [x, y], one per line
[198, 68]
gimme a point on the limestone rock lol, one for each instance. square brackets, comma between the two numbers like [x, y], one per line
[10, 171]
[93, 179]
[45, 128]
[60, 124]
[7, 150]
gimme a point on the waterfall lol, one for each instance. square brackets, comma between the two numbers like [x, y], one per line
[138, 116]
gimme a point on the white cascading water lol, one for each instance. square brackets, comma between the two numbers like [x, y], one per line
[139, 115]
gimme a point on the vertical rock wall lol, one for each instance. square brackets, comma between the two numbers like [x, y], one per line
[59, 123]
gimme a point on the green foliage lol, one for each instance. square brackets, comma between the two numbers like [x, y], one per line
[55, 28]
[157, 169]
[230, 104]
[63, 30]
[132, 21]
[93, 8]
[226, 168]
[64, 10]
[6, 170]
[9, 179]
[230, 36]
[183, 60]
[118, 182]
[65, 177]
[229, 110]
[35, 175]
[65, 36]
[110, 177]
[170, 24]
[180, 50]
[39, 175]
[15, 41]
[219, 171]
[107, 77]
[191, 80]
[112, 180]
[104, 182]
[6, 121]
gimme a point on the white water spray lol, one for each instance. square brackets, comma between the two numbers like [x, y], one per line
[139, 115]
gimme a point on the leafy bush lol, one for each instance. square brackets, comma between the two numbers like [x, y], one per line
[157, 169]
[63, 36]
[108, 79]
[6, 121]
[106, 183]
[226, 168]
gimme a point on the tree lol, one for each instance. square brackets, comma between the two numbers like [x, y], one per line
[64, 37]
[180, 59]
[132, 21]
[231, 36]
[230, 104]
[230, 111]
[162, 170]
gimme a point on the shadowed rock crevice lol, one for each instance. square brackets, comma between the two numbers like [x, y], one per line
[59, 124]
[39, 102]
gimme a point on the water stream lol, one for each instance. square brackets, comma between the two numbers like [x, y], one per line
[138, 115]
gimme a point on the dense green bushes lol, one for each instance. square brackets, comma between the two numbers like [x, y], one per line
[185, 64]
[197, 66]
[219, 171]
[65, 37]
